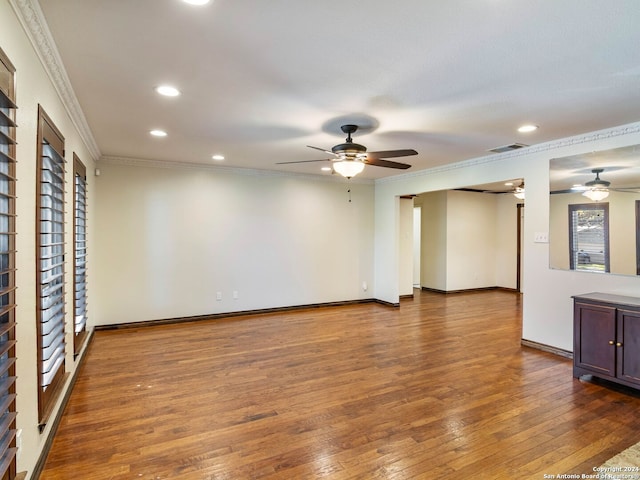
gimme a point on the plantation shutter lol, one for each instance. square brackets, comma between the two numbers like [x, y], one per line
[80, 253]
[51, 272]
[7, 270]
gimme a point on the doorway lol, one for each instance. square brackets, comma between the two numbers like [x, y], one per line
[451, 253]
[520, 248]
[417, 245]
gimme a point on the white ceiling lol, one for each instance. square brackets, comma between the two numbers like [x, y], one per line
[260, 79]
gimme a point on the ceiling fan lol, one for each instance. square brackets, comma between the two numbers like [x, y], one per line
[349, 158]
[516, 188]
[598, 189]
[518, 191]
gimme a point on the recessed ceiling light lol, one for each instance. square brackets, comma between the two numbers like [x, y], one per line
[528, 128]
[168, 91]
[196, 2]
[326, 169]
[509, 184]
[218, 157]
[158, 133]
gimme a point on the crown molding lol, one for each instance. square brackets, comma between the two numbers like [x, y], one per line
[598, 135]
[35, 26]
[252, 172]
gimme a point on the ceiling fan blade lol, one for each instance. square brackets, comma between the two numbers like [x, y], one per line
[305, 161]
[391, 154]
[386, 163]
[322, 150]
[626, 189]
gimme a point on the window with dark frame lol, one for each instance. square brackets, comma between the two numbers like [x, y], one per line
[50, 274]
[80, 253]
[589, 237]
[7, 270]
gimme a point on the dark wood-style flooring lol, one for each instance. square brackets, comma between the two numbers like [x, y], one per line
[438, 389]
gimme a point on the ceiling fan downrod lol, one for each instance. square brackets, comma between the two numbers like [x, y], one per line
[349, 129]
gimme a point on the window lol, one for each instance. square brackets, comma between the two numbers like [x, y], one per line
[7, 270]
[589, 237]
[80, 253]
[50, 263]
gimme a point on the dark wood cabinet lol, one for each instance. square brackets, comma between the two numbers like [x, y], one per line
[606, 337]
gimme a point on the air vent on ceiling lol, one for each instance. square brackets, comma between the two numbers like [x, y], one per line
[508, 148]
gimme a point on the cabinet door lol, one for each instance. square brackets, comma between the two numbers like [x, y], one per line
[628, 346]
[594, 338]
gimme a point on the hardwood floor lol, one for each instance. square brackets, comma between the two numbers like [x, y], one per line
[438, 389]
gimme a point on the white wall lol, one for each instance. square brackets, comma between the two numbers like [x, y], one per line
[173, 237]
[471, 240]
[547, 293]
[33, 88]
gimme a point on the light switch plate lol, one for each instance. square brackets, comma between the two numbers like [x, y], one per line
[541, 237]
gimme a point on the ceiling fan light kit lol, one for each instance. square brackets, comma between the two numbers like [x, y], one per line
[348, 168]
[598, 189]
[596, 194]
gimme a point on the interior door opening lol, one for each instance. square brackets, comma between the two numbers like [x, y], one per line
[417, 243]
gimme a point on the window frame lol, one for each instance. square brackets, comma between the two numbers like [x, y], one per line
[604, 206]
[49, 134]
[79, 252]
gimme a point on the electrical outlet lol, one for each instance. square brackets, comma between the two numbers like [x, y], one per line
[235, 294]
[218, 296]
